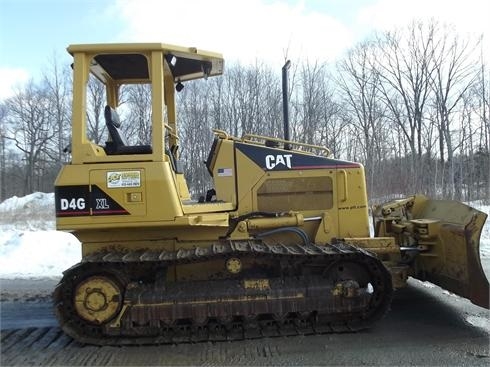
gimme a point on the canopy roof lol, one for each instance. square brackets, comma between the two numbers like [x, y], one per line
[128, 62]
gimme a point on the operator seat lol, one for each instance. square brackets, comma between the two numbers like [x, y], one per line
[118, 143]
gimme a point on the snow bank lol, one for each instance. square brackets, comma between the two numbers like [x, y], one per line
[31, 254]
[29, 244]
[32, 212]
[37, 200]
[479, 321]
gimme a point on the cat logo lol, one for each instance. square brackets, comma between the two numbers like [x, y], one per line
[272, 161]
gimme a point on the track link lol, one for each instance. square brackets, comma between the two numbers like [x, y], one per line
[216, 310]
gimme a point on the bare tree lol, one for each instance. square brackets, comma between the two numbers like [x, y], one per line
[309, 100]
[358, 82]
[58, 80]
[454, 74]
[483, 97]
[406, 68]
[3, 151]
[31, 121]
[96, 101]
[138, 105]
[194, 119]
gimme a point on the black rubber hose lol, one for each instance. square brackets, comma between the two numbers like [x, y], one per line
[302, 234]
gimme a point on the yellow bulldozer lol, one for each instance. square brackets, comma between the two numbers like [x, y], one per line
[280, 246]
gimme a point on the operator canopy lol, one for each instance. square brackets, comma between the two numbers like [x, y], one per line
[126, 63]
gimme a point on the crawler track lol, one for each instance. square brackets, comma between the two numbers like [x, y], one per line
[312, 292]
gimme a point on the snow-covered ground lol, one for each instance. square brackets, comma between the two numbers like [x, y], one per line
[30, 247]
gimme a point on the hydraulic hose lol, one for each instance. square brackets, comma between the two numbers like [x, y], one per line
[299, 232]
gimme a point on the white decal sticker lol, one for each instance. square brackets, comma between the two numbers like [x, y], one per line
[271, 161]
[123, 179]
[74, 204]
[101, 204]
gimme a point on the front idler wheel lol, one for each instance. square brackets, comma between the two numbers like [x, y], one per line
[98, 299]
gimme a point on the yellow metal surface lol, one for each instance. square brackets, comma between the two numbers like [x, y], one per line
[353, 217]
[182, 188]
[378, 245]
[249, 176]
[291, 219]
[97, 299]
[118, 48]
[164, 204]
[210, 207]
[225, 185]
[445, 235]
[295, 191]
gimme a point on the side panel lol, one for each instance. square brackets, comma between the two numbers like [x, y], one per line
[309, 192]
[257, 163]
[293, 191]
[352, 202]
[329, 193]
[249, 174]
[118, 192]
[224, 172]
[115, 195]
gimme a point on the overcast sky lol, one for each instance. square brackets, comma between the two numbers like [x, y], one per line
[32, 32]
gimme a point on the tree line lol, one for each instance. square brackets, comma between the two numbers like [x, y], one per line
[411, 104]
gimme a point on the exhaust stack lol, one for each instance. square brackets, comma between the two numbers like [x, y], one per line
[285, 102]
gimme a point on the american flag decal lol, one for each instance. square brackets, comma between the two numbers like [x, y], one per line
[224, 172]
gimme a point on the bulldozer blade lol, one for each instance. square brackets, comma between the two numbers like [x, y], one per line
[448, 236]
